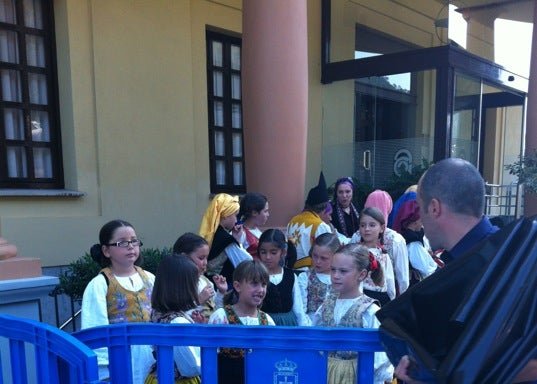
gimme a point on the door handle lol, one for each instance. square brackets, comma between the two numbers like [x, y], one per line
[367, 160]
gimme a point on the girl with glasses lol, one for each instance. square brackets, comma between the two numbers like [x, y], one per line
[120, 293]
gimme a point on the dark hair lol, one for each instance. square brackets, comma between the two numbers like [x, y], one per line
[251, 271]
[188, 243]
[277, 237]
[176, 284]
[456, 183]
[376, 214]
[105, 235]
[340, 181]
[317, 208]
[362, 260]
[329, 240]
[250, 203]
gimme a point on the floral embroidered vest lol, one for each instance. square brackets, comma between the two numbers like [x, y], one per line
[126, 306]
[351, 319]
[232, 318]
[317, 291]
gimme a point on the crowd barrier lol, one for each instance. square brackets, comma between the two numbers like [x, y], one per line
[274, 354]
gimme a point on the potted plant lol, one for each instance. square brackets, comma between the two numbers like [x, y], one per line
[525, 168]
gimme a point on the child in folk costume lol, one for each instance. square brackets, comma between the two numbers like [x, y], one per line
[219, 228]
[253, 213]
[283, 301]
[120, 293]
[197, 249]
[408, 224]
[315, 283]
[175, 296]
[372, 227]
[392, 241]
[347, 306]
[241, 307]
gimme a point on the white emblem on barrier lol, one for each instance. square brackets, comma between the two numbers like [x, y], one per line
[285, 373]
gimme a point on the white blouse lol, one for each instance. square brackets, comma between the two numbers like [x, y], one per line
[219, 317]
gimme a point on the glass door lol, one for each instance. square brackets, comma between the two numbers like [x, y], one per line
[394, 120]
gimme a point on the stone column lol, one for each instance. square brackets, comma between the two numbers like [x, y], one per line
[530, 200]
[275, 102]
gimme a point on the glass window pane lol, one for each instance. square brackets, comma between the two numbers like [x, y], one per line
[218, 114]
[14, 124]
[42, 163]
[7, 11]
[236, 87]
[35, 51]
[236, 118]
[220, 171]
[237, 144]
[37, 85]
[40, 126]
[219, 147]
[236, 57]
[33, 14]
[237, 173]
[217, 54]
[16, 162]
[11, 85]
[9, 49]
[218, 84]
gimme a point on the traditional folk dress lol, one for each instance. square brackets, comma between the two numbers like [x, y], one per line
[250, 241]
[110, 299]
[230, 360]
[187, 360]
[302, 231]
[314, 289]
[225, 254]
[358, 312]
[283, 301]
[385, 292]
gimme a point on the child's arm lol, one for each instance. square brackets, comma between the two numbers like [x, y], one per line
[382, 365]
[400, 262]
[420, 259]
[236, 254]
[218, 317]
[298, 307]
[187, 358]
[389, 277]
[303, 287]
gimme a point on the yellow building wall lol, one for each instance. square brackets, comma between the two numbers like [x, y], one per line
[133, 106]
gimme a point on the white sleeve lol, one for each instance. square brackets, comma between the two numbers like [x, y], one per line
[322, 228]
[187, 358]
[421, 259]
[382, 365]
[316, 317]
[236, 254]
[298, 307]
[355, 238]
[302, 280]
[400, 257]
[389, 277]
[94, 313]
[218, 317]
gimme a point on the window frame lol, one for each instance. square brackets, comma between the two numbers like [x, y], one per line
[52, 107]
[226, 129]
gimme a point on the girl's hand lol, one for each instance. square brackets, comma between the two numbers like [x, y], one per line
[221, 283]
[205, 294]
[236, 232]
[198, 317]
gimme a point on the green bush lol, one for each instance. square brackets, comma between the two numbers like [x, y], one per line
[73, 282]
[525, 168]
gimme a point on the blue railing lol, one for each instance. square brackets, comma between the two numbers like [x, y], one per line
[275, 354]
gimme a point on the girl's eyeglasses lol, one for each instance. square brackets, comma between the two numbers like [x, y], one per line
[126, 243]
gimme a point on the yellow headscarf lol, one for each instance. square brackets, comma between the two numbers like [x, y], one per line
[221, 206]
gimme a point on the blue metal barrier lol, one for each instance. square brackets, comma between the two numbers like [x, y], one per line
[276, 354]
[58, 355]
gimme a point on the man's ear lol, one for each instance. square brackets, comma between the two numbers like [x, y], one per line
[435, 207]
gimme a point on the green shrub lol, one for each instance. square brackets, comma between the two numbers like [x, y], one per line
[73, 282]
[525, 168]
